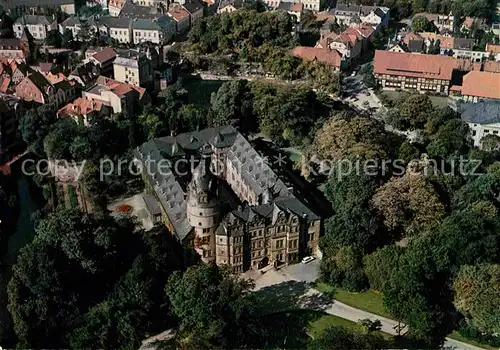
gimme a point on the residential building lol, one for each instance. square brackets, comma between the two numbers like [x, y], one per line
[406, 71]
[181, 18]
[350, 13]
[478, 86]
[74, 24]
[493, 51]
[133, 67]
[293, 8]
[442, 22]
[398, 47]
[36, 88]
[158, 31]
[13, 49]
[311, 5]
[103, 59]
[470, 22]
[195, 9]
[117, 28]
[329, 57]
[242, 214]
[32, 6]
[483, 119]
[82, 111]
[38, 26]
[464, 48]
[446, 43]
[147, 3]
[350, 43]
[19, 71]
[115, 7]
[120, 97]
[85, 74]
[228, 6]
[491, 66]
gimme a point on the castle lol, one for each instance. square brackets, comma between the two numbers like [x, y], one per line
[216, 193]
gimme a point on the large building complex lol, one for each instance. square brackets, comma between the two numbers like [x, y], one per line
[217, 193]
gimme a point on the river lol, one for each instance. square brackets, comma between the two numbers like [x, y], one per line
[30, 199]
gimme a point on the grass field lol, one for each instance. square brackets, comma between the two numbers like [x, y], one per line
[437, 101]
[369, 301]
[199, 91]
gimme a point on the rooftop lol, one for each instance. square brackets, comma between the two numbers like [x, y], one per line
[106, 54]
[129, 58]
[32, 20]
[330, 57]
[10, 44]
[412, 65]
[481, 84]
[484, 112]
[256, 173]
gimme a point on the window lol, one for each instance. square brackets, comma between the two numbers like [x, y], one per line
[279, 243]
[206, 230]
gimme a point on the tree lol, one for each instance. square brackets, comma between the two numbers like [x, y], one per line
[370, 326]
[80, 148]
[336, 27]
[343, 267]
[86, 32]
[35, 125]
[67, 38]
[410, 112]
[477, 295]
[490, 142]
[54, 38]
[337, 337]
[409, 205]
[212, 304]
[91, 280]
[450, 140]
[58, 142]
[346, 135]
[380, 264]
[353, 223]
[232, 104]
[420, 24]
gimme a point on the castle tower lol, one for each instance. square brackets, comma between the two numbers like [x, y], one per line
[203, 207]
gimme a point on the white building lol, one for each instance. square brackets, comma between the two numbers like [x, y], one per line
[38, 26]
[159, 30]
[483, 119]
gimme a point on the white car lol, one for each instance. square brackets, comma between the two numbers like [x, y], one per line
[307, 259]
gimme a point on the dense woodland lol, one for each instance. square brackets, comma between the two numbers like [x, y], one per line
[427, 237]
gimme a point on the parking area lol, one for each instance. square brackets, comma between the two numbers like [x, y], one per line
[300, 272]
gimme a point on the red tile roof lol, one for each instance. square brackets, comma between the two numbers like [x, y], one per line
[481, 84]
[80, 106]
[120, 88]
[411, 36]
[298, 7]
[494, 48]
[178, 14]
[330, 57]
[104, 55]
[414, 65]
[446, 42]
[491, 66]
[4, 84]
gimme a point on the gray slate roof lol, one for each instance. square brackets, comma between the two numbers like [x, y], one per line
[484, 112]
[31, 19]
[256, 173]
[8, 4]
[114, 22]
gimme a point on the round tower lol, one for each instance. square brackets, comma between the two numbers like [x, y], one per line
[203, 207]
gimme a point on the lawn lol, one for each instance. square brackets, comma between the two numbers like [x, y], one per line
[437, 101]
[293, 329]
[455, 335]
[73, 199]
[199, 90]
[370, 300]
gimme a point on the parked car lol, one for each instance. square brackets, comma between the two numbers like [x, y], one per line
[308, 259]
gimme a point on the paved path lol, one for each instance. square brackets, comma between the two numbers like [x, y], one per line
[308, 273]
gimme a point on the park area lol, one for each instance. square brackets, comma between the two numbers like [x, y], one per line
[437, 101]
